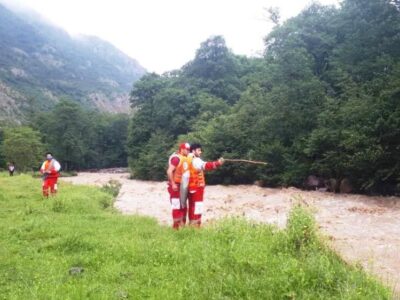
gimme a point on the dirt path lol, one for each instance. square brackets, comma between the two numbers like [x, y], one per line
[364, 230]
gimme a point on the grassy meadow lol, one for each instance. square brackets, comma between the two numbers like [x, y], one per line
[75, 246]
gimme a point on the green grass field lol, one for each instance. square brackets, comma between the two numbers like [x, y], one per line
[74, 246]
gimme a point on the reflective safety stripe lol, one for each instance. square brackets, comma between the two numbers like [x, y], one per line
[175, 203]
[198, 208]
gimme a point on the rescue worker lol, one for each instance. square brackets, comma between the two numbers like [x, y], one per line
[50, 171]
[197, 182]
[178, 167]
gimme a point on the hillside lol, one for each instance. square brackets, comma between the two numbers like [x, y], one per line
[41, 63]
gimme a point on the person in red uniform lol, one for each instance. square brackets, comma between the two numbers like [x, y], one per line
[178, 166]
[50, 171]
[197, 182]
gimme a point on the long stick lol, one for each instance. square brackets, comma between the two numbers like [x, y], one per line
[246, 161]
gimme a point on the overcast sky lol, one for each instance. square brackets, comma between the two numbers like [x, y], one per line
[164, 34]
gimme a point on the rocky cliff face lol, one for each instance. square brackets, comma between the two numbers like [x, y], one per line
[41, 63]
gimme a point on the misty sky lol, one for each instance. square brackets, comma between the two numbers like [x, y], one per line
[164, 34]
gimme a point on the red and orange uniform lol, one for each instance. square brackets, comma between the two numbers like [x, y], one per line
[180, 165]
[50, 170]
[197, 184]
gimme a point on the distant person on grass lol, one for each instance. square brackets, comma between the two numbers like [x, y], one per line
[197, 182]
[50, 170]
[11, 168]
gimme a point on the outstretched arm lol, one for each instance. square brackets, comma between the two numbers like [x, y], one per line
[201, 165]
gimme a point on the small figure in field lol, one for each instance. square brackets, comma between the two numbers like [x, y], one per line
[50, 171]
[11, 168]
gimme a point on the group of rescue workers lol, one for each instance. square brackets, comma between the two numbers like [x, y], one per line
[186, 183]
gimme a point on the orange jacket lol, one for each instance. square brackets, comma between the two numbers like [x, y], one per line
[197, 178]
[181, 168]
[197, 168]
[52, 166]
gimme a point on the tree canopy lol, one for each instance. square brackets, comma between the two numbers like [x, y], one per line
[23, 146]
[324, 99]
[83, 139]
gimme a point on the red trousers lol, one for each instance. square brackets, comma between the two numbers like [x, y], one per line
[196, 206]
[49, 183]
[178, 213]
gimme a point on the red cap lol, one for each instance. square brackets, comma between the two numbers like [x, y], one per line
[184, 146]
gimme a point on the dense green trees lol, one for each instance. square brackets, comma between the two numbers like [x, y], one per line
[66, 128]
[324, 100]
[78, 138]
[23, 146]
[177, 103]
[83, 139]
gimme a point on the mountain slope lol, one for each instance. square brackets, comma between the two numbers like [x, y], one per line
[41, 63]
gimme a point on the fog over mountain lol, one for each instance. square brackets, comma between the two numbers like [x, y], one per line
[41, 63]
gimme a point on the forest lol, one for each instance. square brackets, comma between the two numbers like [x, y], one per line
[323, 100]
[79, 138]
